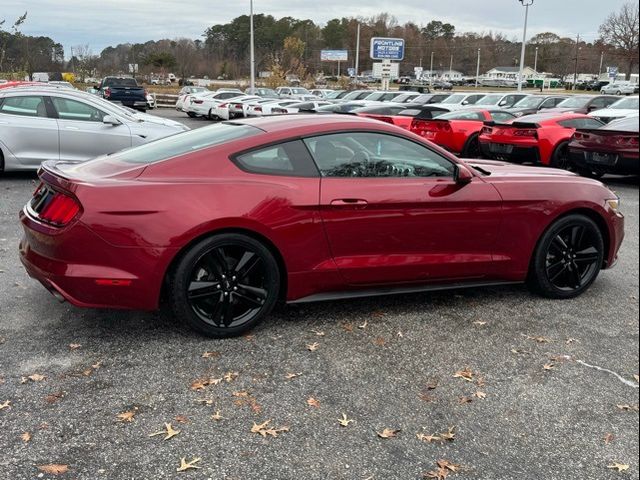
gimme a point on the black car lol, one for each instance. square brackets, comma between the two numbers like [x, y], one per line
[442, 85]
[534, 103]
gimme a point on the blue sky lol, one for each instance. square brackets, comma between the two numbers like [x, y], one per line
[109, 22]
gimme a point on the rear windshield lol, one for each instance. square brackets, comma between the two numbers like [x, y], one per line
[630, 124]
[630, 103]
[529, 102]
[574, 102]
[187, 142]
[120, 82]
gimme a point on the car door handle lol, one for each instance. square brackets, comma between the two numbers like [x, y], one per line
[349, 202]
[71, 128]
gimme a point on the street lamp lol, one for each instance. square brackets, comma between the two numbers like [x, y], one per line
[526, 4]
[252, 81]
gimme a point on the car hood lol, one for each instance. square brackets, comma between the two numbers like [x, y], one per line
[614, 112]
[145, 118]
[504, 169]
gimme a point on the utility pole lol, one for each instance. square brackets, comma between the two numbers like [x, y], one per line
[526, 4]
[357, 53]
[535, 62]
[431, 72]
[451, 67]
[601, 62]
[252, 82]
[478, 69]
[575, 72]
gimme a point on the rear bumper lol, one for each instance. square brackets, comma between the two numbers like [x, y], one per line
[78, 266]
[510, 153]
[613, 163]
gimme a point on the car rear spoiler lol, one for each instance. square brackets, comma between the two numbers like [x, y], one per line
[491, 123]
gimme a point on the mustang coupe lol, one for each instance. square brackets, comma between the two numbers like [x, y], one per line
[225, 221]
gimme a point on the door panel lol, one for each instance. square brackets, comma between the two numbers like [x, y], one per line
[410, 230]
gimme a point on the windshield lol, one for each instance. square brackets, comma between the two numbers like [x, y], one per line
[574, 102]
[335, 94]
[120, 82]
[183, 143]
[630, 103]
[529, 102]
[629, 124]
[463, 115]
[300, 91]
[489, 100]
[454, 99]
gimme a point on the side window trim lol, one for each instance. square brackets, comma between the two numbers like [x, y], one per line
[302, 161]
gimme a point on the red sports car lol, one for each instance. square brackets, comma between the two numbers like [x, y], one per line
[539, 139]
[227, 220]
[609, 149]
[458, 131]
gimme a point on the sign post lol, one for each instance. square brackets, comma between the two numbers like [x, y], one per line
[387, 50]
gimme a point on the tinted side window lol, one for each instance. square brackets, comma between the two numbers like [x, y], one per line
[599, 103]
[26, 106]
[73, 110]
[549, 103]
[501, 116]
[372, 155]
[289, 159]
[569, 123]
[474, 98]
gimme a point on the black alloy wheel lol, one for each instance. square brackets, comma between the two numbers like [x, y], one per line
[225, 285]
[472, 149]
[568, 258]
[560, 158]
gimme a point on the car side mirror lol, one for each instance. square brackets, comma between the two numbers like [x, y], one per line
[111, 120]
[502, 103]
[465, 102]
[463, 175]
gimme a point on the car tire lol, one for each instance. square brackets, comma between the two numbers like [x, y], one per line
[560, 157]
[472, 147]
[568, 258]
[191, 115]
[211, 116]
[224, 285]
[618, 92]
[1, 162]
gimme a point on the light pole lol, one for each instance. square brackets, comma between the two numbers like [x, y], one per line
[478, 69]
[535, 62]
[601, 62]
[431, 71]
[357, 65]
[526, 4]
[252, 81]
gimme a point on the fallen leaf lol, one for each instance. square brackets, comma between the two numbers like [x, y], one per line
[380, 341]
[628, 408]
[262, 429]
[6, 404]
[569, 341]
[54, 469]
[210, 354]
[74, 346]
[217, 416]
[36, 377]
[25, 437]
[428, 438]
[388, 433]
[184, 465]
[637, 378]
[206, 401]
[364, 325]
[344, 421]
[620, 467]
[291, 376]
[127, 416]
[439, 474]
[181, 419]
[313, 347]
[608, 438]
[465, 374]
[464, 400]
[257, 428]
[549, 366]
[480, 395]
[203, 383]
[449, 435]
[452, 467]
[319, 333]
[539, 339]
[230, 376]
[347, 327]
[312, 402]
[168, 432]
[480, 324]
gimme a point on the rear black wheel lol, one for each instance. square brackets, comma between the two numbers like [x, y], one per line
[225, 285]
[560, 158]
[472, 148]
[568, 258]
[191, 114]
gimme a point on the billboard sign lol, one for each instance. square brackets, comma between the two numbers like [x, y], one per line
[387, 48]
[612, 72]
[386, 70]
[334, 55]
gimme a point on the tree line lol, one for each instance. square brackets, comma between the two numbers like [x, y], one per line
[294, 45]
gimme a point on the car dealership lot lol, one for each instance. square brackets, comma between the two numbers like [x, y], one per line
[385, 363]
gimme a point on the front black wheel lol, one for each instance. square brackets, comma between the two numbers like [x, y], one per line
[560, 158]
[568, 258]
[225, 285]
[472, 148]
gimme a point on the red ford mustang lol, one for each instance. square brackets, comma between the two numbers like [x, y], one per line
[458, 131]
[539, 139]
[226, 220]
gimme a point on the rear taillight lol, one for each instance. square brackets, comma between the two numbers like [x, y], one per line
[278, 111]
[526, 132]
[627, 141]
[580, 136]
[53, 207]
[224, 105]
[198, 102]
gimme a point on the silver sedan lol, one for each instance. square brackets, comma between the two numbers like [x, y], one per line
[47, 123]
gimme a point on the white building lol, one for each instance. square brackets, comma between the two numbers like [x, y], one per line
[446, 75]
[511, 73]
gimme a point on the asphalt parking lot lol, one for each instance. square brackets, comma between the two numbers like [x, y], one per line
[535, 403]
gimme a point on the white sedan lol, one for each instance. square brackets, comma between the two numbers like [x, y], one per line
[618, 88]
[625, 107]
[204, 105]
[185, 92]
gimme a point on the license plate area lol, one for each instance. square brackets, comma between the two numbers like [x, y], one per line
[602, 158]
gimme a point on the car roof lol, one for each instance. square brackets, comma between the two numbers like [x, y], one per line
[313, 123]
[549, 117]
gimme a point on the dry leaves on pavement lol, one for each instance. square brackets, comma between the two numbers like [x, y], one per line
[445, 468]
[54, 469]
[265, 430]
[217, 416]
[620, 467]
[25, 437]
[312, 347]
[127, 417]
[210, 354]
[168, 432]
[291, 376]
[465, 374]
[184, 465]
[388, 433]
[6, 404]
[203, 383]
[312, 402]
[36, 377]
[344, 421]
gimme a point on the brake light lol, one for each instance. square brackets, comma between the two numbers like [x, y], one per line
[627, 141]
[198, 102]
[60, 210]
[278, 111]
[526, 132]
[107, 92]
[580, 136]
[257, 109]
[224, 105]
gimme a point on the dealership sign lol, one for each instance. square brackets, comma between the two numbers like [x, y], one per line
[387, 48]
[334, 55]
